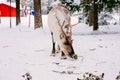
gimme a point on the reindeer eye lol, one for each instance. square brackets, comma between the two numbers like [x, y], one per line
[66, 26]
[62, 36]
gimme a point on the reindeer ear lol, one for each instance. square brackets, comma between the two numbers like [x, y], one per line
[62, 36]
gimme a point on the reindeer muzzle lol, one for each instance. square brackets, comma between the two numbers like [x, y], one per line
[75, 56]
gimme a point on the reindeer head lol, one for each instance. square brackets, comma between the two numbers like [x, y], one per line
[66, 43]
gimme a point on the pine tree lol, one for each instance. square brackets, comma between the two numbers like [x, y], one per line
[72, 7]
[91, 9]
[97, 7]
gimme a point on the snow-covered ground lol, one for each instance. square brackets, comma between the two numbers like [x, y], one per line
[23, 49]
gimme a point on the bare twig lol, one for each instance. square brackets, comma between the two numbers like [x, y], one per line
[75, 23]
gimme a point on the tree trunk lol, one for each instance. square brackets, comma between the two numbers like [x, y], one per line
[17, 12]
[95, 27]
[0, 17]
[91, 15]
[37, 16]
[10, 16]
[119, 14]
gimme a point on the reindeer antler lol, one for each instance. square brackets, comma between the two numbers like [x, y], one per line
[61, 26]
[75, 23]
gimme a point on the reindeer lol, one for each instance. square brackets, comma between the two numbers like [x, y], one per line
[61, 30]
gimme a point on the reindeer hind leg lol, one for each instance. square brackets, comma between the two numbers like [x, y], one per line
[58, 49]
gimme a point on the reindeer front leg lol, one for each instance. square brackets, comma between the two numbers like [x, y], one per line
[63, 56]
[53, 49]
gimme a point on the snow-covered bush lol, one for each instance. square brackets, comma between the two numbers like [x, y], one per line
[106, 19]
[103, 19]
[91, 76]
[118, 77]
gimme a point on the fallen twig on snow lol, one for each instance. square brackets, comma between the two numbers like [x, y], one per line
[65, 72]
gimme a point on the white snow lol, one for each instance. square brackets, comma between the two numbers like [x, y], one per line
[24, 49]
[1, 1]
[8, 3]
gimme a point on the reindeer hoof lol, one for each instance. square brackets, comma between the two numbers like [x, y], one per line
[63, 57]
[75, 56]
[57, 51]
[52, 54]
